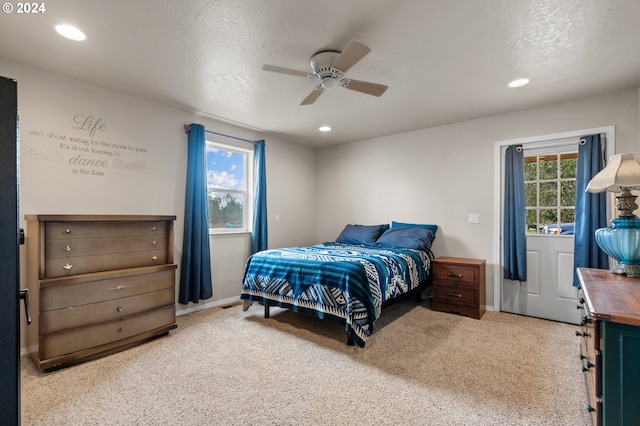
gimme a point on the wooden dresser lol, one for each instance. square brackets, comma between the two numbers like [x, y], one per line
[459, 286]
[99, 284]
[610, 345]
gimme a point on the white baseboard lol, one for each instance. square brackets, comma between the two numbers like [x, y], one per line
[194, 307]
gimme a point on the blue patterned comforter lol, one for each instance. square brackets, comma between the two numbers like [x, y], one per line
[344, 282]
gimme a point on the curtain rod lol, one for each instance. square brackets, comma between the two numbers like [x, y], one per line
[187, 128]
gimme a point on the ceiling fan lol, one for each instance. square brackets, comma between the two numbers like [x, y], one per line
[329, 66]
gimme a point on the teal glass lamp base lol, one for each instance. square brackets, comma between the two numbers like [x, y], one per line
[622, 242]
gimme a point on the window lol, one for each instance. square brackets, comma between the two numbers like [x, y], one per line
[229, 195]
[550, 193]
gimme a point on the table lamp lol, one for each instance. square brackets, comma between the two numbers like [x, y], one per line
[621, 241]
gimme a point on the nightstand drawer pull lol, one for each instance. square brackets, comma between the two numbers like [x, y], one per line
[454, 275]
[454, 295]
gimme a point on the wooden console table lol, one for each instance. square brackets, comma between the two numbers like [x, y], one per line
[610, 345]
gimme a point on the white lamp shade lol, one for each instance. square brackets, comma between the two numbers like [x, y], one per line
[623, 170]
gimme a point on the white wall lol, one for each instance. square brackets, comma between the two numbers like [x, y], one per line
[52, 110]
[441, 174]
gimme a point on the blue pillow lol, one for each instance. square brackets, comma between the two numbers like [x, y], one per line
[407, 237]
[361, 234]
[433, 228]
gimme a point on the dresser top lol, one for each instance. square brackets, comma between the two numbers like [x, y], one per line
[93, 217]
[611, 297]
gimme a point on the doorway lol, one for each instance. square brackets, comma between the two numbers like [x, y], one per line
[548, 292]
[9, 256]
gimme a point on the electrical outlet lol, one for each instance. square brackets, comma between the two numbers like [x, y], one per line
[474, 218]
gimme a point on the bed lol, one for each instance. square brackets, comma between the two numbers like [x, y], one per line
[348, 280]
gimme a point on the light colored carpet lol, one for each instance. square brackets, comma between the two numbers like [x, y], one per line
[420, 367]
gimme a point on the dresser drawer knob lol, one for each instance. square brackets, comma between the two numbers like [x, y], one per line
[454, 275]
[155, 228]
[67, 267]
[119, 309]
[119, 329]
[119, 287]
[454, 295]
[154, 257]
[67, 248]
[153, 243]
[66, 231]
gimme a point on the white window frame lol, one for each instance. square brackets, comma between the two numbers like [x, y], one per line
[562, 147]
[246, 149]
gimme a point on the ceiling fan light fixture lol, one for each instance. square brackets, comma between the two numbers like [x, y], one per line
[324, 128]
[328, 82]
[519, 82]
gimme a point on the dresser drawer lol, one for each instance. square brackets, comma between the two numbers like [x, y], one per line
[71, 230]
[83, 315]
[75, 265]
[458, 274]
[64, 293]
[65, 248]
[57, 344]
[455, 295]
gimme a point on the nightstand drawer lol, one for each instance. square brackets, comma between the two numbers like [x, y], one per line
[456, 295]
[458, 274]
[459, 286]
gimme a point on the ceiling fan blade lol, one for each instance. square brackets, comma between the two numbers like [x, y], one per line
[351, 55]
[282, 70]
[366, 87]
[311, 98]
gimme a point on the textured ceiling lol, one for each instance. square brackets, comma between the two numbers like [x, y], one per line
[444, 61]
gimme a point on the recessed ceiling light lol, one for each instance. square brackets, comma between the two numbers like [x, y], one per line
[519, 82]
[324, 128]
[70, 32]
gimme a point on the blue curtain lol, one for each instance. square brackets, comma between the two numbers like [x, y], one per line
[195, 270]
[591, 209]
[259, 235]
[515, 230]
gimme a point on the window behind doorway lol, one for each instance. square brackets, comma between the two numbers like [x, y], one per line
[550, 188]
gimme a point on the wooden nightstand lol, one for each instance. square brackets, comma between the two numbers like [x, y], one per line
[459, 286]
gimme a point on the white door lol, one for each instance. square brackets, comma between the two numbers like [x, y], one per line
[548, 292]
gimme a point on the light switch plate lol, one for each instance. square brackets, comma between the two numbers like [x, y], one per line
[474, 218]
